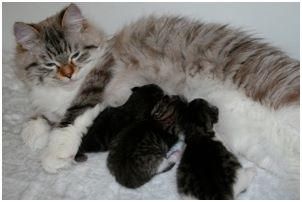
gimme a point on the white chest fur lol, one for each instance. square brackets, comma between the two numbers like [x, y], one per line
[52, 102]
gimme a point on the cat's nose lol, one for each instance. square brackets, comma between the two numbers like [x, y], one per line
[67, 71]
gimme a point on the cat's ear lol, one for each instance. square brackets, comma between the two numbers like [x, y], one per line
[134, 89]
[72, 19]
[214, 111]
[26, 35]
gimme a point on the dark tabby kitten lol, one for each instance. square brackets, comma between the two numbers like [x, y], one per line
[139, 152]
[113, 119]
[207, 169]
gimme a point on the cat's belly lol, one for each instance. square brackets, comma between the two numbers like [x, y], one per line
[268, 137]
[168, 76]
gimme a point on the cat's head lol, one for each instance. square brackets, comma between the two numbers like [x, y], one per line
[58, 50]
[143, 99]
[169, 109]
[200, 117]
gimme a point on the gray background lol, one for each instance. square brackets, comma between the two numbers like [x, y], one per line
[278, 23]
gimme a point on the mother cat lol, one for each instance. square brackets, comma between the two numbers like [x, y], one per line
[73, 72]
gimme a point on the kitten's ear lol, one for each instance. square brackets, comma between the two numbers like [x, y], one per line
[25, 35]
[72, 19]
[134, 89]
[214, 111]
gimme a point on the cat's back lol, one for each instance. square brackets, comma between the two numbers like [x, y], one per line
[208, 150]
[179, 38]
[214, 50]
[136, 153]
[140, 140]
[135, 134]
[207, 170]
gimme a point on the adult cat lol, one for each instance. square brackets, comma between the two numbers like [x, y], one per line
[255, 86]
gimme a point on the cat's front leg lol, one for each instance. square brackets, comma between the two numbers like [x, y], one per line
[35, 132]
[65, 141]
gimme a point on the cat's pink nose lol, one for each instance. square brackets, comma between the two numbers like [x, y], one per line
[67, 71]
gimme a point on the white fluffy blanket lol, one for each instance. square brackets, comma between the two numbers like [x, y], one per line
[24, 178]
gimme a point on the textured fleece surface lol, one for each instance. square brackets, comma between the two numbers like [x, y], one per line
[24, 178]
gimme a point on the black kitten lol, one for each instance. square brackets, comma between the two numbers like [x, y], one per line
[140, 151]
[113, 119]
[207, 170]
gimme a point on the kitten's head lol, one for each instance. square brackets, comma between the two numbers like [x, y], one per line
[143, 99]
[200, 117]
[57, 50]
[168, 109]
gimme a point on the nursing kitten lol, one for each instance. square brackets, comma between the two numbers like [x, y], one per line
[207, 170]
[113, 119]
[139, 152]
[250, 82]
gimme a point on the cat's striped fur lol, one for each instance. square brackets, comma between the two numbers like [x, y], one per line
[246, 78]
[264, 73]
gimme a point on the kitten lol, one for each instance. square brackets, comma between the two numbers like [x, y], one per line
[207, 170]
[113, 119]
[250, 81]
[139, 152]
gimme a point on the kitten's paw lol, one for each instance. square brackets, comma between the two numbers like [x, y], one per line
[63, 146]
[80, 157]
[35, 133]
[175, 156]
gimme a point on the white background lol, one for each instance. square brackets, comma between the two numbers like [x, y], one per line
[278, 23]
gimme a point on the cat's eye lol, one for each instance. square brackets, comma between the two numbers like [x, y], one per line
[51, 64]
[76, 54]
[90, 47]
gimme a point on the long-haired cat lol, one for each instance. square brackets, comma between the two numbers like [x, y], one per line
[114, 119]
[255, 86]
[207, 170]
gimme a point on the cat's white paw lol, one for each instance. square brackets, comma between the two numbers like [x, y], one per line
[63, 146]
[52, 163]
[35, 133]
[64, 142]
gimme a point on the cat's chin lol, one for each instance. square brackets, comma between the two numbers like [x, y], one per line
[63, 84]
[70, 81]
